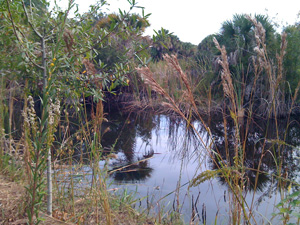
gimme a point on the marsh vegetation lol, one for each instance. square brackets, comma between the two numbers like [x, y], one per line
[102, 124]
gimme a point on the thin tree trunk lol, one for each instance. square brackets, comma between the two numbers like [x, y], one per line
[49, 178]
[49, 184]
[11, 108]
[44, 64]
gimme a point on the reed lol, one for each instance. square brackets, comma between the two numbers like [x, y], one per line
[234, 174]
[168, 78]
[275, 97]
[81, 189]
[148, 78]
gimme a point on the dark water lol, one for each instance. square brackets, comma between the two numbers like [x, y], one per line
[157, 156]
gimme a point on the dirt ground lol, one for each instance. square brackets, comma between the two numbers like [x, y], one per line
[12, 201]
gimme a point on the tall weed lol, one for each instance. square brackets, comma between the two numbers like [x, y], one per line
[233, 173]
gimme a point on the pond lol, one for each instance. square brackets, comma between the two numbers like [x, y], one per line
[156, 157]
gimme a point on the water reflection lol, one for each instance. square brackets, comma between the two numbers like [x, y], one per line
[268, 146]
[160, 153]
[121, 138]
[264, 148]
[123, 171]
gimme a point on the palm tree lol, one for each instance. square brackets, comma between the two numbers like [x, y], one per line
[292, 57]
[238, 37]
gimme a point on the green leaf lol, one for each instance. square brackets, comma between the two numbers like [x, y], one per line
[163, 45]
[279, 205]
[295, 194]
[121, 13]
[296, 214]
[284, 210]
[295, 203]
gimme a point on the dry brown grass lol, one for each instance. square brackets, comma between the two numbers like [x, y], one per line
[226, 77]
[186, 105]
[12, 204]
[275, 96]
[170, 104]
[178, 83]
[85, 214]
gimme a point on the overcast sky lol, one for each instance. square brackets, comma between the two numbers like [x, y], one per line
[193, 20]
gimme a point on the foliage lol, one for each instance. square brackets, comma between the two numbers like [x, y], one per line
[289, 208]
[51, 56]
[39, 5]
[126, 30]
[292, 57]
[165, 42]
[39, 134]
[65, 61]
[238, 34]
[265, 76]
[239, 38]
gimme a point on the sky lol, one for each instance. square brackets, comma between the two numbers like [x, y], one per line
[193, 20]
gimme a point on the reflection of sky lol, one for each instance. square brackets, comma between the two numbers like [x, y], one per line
[168, 167]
